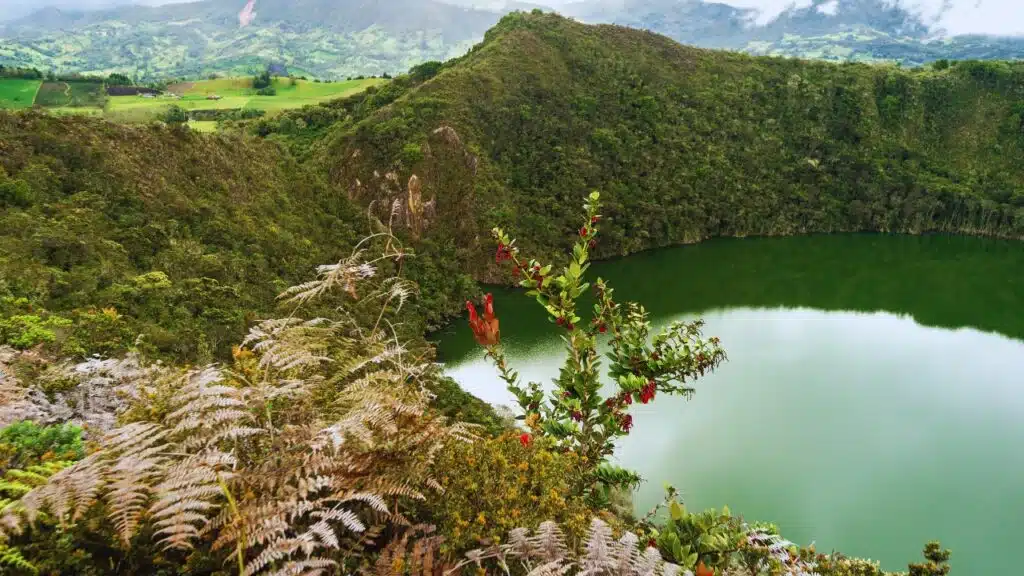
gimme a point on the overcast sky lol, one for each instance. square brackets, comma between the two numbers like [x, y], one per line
[958, 17]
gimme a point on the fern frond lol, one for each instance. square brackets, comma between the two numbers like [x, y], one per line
[12, 557]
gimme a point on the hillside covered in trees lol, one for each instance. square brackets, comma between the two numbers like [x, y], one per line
[685, 143]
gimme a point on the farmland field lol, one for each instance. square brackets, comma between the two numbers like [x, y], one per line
[18, 93]
[77, 94]
[234, 94]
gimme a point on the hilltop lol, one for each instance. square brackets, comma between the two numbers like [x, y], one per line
[685, 143]
[338, 39]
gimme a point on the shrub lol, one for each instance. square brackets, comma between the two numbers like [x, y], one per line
[29, 330]
[26, 443]
[575, 414]
[174, 115]
[493, 486]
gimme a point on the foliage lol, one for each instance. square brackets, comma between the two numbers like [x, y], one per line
[500, 483]
[178, 238]
[24, 443]
[174, 115]
[547, 552]
[117, 79]
[936, 564]
[290, 461]
[262, 81]
[936, 561]
[26, 331]
[576, 414]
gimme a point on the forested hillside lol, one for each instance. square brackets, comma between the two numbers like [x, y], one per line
[685, 143]
[160, 238]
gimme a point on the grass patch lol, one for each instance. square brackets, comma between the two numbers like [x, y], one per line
[71, 94]
[205, 126]
[88, 98]
[17, 93]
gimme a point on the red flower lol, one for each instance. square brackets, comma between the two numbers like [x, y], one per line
[594, 219]
[647, 392]
[592, 244]
[703, 570]
[651, 543]
[584, 232]
[525, 439]
[577, 415]
[485, 330]
[602, 328]
[626, 398]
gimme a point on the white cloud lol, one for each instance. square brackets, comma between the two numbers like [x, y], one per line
[1003, 17]
[829, 8]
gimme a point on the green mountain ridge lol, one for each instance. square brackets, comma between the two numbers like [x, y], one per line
[688, 143]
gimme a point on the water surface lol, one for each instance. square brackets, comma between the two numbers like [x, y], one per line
[873, 398]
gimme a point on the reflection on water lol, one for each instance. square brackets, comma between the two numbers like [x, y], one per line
[868, 432]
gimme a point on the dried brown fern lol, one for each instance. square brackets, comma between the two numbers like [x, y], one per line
[289, 466]
[546, 552]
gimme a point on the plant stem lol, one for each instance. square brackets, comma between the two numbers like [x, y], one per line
[234, 510]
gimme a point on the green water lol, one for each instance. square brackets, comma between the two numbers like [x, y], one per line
[873, 398]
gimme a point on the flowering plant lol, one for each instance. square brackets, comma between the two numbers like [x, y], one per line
[576, 414]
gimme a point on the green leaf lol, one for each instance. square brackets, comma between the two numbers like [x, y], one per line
[676, 510]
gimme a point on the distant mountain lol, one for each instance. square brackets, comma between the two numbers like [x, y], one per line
[328, 38]
[337, 38]
[861, 30]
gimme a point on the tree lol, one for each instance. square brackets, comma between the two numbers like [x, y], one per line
[262, 81]
[117, 79]
[174, 115]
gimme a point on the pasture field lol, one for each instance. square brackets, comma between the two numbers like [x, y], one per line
[235, 93]
[203, 125]
[75, 94]
[18, 93]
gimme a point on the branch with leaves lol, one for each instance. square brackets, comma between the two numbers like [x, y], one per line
[576, 413]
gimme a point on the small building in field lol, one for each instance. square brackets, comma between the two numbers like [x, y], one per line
[213, 97]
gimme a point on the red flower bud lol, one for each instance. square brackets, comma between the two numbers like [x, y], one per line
[560, 320]
[592, 244]
[594, 219]
[525, 439]
[602, 328]
[584, 232]
[485, 329]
